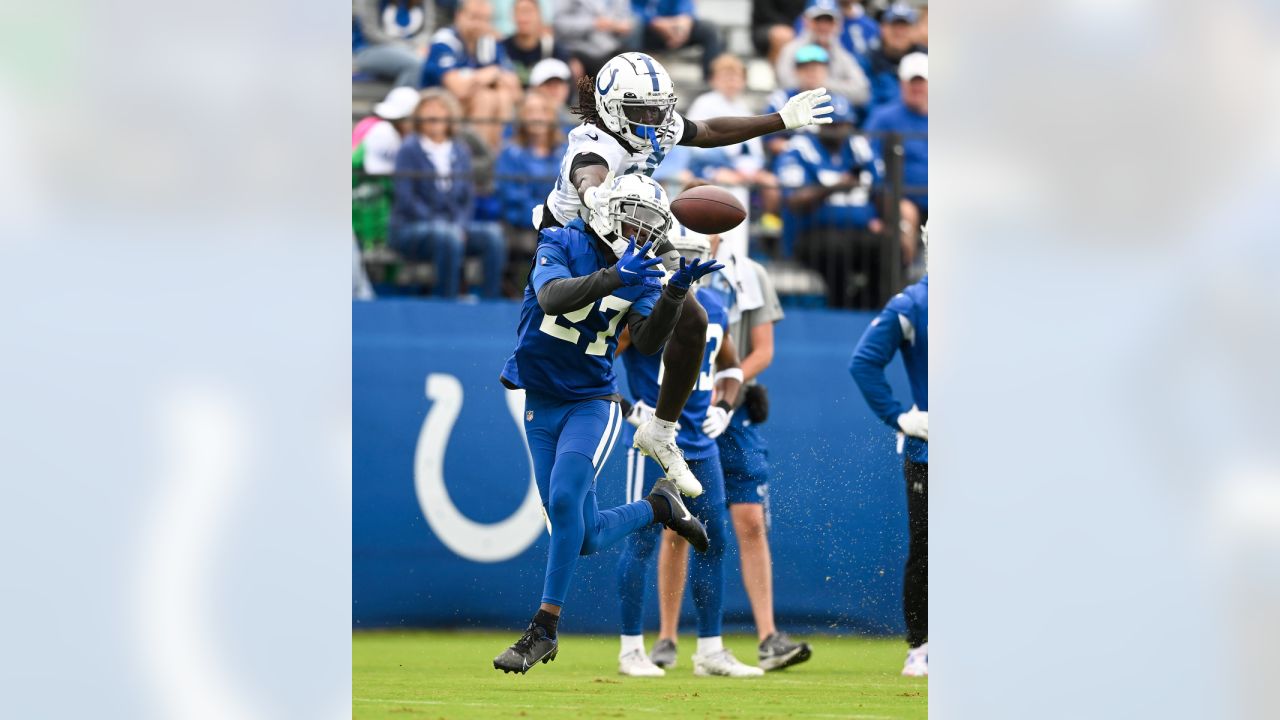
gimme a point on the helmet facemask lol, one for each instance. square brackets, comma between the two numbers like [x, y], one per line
[641, 219]
[646, 118]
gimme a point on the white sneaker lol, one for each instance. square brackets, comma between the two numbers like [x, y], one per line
[636, 664]
[722, 662]
[917, 664]
[666, 453]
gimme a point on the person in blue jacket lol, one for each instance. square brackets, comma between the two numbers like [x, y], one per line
[582, 287]
[903, 327]
[432, 216]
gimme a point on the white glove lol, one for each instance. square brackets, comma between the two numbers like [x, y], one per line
[915, 423]
[803, 110]
[716, 422]
[640, 414]
[596, 198]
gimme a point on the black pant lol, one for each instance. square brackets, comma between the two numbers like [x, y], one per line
[915, 584]
[849, 260]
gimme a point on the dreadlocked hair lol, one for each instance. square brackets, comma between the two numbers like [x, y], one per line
[586, 107]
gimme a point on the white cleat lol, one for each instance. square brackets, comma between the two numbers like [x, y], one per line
[723, 663]
[666, 453]
[636, 664]
[917, 664]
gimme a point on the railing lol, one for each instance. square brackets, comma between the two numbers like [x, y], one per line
[859, 269]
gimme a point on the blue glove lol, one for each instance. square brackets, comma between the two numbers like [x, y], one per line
[690, 273]
[634, 268]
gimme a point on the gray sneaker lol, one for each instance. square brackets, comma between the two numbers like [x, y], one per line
[778, 652]
[664, 654]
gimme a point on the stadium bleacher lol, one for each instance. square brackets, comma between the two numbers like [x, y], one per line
[797, 283]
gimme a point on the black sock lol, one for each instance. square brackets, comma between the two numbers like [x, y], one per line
[548, 622]
[661, 508]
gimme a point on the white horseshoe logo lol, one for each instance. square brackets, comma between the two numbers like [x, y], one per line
[480, 542]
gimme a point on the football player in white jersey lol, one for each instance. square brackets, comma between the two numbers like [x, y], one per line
[629, 124]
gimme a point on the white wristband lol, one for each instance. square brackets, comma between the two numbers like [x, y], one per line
[730, 373]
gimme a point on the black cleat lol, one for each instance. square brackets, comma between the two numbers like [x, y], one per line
[533, 645]
[778, 652]
[682, 521]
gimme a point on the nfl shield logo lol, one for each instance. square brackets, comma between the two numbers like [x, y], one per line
[528, 417]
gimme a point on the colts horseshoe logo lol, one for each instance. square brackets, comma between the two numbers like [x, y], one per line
[479, 542]
[613, 76]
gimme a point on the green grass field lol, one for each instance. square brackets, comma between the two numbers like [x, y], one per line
[451, 675]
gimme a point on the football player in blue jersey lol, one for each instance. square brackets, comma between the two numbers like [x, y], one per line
[903, 326]
[629, 124]
[582, 285]
[700, 423]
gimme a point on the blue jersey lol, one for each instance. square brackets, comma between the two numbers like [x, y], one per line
[808, 162]
[861, 36]
[570, 356]
[903, 326]
[644, 374]
[448, 52]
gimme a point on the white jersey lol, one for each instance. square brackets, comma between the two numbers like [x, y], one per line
[564, 203]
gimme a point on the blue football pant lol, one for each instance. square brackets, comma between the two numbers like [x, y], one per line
[570, 442]
[706, 570]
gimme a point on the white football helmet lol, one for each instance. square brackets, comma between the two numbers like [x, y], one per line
[635, 98]
[638, 206]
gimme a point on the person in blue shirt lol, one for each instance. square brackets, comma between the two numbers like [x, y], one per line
[701, 422]
[433, 213]
[908, 117]
[528, 166]
[581, 288]
[664, 25]
[897, 40]
[827, 181]
[903, 327]
[468, 61]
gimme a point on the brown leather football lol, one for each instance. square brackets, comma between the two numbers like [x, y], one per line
[708, 209]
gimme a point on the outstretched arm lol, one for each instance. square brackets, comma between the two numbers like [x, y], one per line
[807, 108]
[558, 292]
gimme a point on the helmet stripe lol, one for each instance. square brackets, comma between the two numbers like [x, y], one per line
[653, 73]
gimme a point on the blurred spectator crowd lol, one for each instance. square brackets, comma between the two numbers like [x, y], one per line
[449, 163]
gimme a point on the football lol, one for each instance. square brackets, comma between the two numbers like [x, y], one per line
[708, 209]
